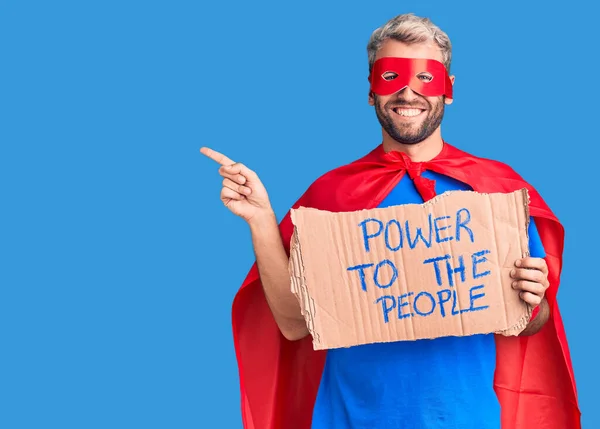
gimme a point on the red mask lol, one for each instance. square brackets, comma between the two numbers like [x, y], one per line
[428, 78]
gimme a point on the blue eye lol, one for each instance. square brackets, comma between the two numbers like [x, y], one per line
[425, 76]
[389, 75]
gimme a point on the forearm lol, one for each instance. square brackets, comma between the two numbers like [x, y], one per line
[272, 263]
[539, 321]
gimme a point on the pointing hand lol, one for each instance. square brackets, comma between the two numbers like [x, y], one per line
[243, 193]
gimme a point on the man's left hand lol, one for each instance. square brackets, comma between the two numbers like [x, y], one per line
[530, 277]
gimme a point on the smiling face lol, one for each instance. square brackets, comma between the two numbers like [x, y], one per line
[406, 116]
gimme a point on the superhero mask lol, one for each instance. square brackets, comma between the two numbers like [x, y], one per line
[426, 77]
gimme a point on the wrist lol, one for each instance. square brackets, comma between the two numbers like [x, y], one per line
[263, 219]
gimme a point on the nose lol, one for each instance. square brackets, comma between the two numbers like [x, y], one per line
[407, 94]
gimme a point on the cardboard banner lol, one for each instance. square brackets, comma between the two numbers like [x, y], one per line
[412, 271]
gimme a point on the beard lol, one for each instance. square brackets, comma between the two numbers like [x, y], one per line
[410, 133]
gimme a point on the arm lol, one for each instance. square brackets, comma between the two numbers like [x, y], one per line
[272, 262]
[536, 324]
[244, 195]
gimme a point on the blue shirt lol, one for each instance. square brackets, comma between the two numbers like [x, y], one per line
[442, 383]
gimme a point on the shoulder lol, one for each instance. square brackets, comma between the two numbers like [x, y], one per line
[317, 192]
[496, 176]
[488, 166]
[320, 191]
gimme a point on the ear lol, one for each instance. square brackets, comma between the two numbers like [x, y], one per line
[371, 99]
[449, 100]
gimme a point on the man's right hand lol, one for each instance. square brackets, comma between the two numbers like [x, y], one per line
[243, 193]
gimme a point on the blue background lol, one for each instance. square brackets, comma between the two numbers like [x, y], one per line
[119, 263]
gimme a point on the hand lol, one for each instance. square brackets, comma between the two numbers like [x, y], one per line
[531, 278]
[242, 193]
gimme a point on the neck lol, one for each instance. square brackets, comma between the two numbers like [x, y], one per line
[419, 152]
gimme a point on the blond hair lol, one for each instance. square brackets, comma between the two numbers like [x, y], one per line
[409, 29]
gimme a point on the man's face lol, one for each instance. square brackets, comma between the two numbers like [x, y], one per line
[406, 116]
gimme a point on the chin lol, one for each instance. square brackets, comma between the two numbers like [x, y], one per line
[407, 139]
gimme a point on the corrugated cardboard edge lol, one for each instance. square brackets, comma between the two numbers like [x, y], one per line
[298, 285]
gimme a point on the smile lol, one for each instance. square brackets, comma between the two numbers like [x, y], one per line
[408, 112]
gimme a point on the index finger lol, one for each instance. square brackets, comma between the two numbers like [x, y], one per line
[216, 156]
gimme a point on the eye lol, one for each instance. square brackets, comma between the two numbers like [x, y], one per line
[389, 75]
[425, 76]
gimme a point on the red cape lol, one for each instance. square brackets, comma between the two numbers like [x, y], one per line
[279, 379]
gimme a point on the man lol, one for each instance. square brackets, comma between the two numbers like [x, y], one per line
[474, 382]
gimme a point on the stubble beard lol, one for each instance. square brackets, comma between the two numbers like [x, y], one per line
[409, 134]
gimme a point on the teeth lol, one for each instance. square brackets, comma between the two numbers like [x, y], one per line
[408, 112]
